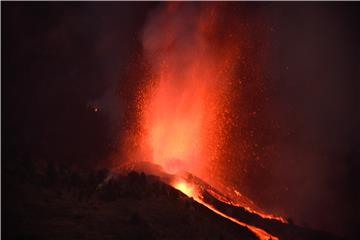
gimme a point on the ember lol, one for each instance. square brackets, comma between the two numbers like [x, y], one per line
[181, 107]
[172, 120]
[184, 103]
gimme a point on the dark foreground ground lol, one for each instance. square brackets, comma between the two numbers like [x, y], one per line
[59, 203]
[67, 205]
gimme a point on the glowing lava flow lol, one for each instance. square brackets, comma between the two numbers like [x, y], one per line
[258, 232]
[185, 188]
[246, 205]
[192, 52]
[190, 191]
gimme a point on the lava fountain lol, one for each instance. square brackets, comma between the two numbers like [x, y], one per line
[183, 104]
[192, 52]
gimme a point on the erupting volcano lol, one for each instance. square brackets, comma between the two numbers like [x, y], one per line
[183, 102]
[172, 120]
[184, 105]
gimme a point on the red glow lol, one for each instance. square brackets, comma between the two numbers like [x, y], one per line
[191, 191]
[185, 188]
[184, 106]
[181, 113]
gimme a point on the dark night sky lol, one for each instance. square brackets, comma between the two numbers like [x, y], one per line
[314, 67]
[60, 60]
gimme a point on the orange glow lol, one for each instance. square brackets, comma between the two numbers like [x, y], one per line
[182, 106]
[185, 188]
[189, 190]
[261, 234]
[185, 103]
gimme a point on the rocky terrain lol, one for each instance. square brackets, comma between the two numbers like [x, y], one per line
[60, 203]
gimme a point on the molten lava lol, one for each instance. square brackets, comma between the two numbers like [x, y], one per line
[185, 188]
[190, 191]
[182, 106]
[185, 103]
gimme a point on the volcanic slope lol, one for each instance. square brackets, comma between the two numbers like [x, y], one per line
[135, 206]
[60, 203]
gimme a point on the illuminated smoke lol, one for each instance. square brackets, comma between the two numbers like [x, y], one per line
[182, 107]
